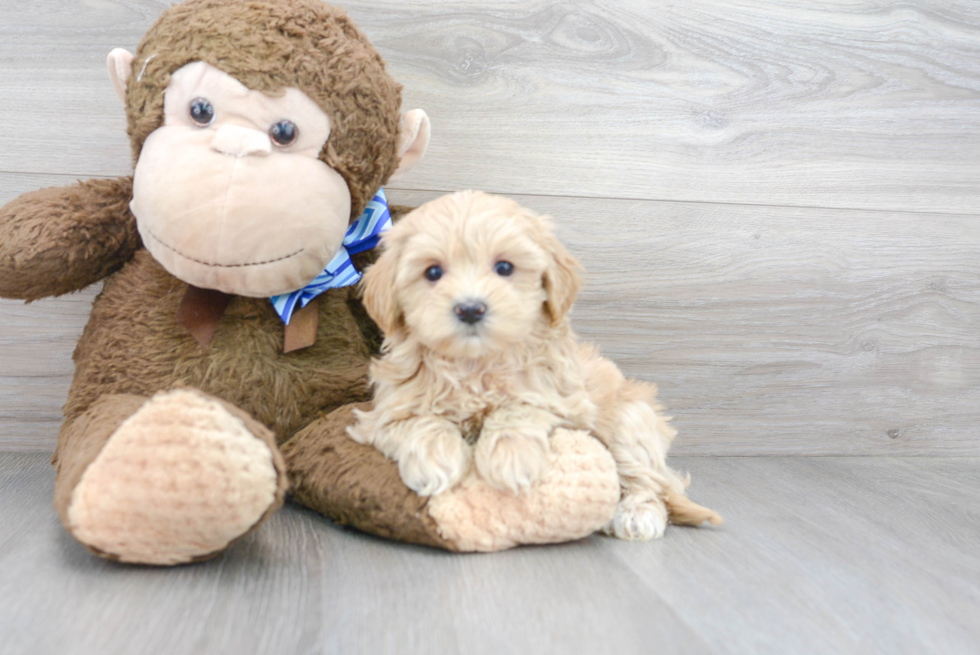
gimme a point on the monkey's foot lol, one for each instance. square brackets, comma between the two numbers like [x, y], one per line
[177, 481]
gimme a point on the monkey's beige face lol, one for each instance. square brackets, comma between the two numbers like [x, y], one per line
[230, 194]
[470, 274]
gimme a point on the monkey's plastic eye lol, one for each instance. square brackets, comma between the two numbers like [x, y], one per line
[202, 112]
[503, 268]
[433, 273]
[283, 133]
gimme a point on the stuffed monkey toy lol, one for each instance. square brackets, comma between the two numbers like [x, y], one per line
[228, 347]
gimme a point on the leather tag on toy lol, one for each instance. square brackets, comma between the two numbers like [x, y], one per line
[301, 329]
[200, 311]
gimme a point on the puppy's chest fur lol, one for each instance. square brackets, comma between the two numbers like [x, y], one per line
[472, 395]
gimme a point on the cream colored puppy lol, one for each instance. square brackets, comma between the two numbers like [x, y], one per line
[480, 364]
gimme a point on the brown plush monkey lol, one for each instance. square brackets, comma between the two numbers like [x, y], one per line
[260, 131]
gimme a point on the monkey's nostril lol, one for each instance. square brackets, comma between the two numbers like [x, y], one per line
[470, 312]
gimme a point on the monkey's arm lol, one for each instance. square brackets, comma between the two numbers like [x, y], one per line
[62, 239]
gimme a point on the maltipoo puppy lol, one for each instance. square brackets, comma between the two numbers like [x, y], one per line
[479, 363]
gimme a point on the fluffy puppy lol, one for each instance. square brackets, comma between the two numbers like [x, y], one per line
[479, 363]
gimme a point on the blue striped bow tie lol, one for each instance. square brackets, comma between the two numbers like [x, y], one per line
[364, 234]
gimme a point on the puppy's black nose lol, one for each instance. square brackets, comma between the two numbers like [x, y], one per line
[470, 312]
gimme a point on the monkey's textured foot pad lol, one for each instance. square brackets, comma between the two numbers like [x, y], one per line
[576, 496]
[177, 481]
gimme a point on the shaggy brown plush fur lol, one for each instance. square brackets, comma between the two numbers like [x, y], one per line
[133, 344]
[354, 484]
[302, 43]
[58, 240]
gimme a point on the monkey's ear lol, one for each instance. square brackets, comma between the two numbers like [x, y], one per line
[378, 286]
[413, 139]
[120, 63]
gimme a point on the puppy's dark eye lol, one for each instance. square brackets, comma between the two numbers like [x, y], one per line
[202, 112]
[433, 273]
[503, 268]
[283, 133]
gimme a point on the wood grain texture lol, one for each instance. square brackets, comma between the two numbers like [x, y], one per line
[769, 330]
[839, 103]
[818, 555]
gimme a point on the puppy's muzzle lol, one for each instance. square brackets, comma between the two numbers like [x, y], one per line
[470, 312]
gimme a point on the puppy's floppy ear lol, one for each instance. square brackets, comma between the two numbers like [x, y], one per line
[378, 286]
[561, 279]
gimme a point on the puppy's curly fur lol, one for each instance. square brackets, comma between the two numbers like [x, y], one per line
[480, 364]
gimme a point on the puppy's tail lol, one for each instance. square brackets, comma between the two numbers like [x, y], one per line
[684, 511]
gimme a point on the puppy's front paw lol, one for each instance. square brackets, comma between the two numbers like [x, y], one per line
[511, 460]
[435, 461]
[638, 521]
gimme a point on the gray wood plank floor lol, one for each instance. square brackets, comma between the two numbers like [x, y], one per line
[818, 555]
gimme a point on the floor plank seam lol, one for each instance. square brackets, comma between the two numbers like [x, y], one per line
[702, 202]
[79, 176]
